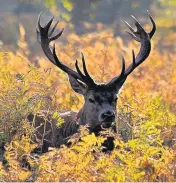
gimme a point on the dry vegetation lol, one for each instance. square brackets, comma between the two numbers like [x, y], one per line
[146, 122]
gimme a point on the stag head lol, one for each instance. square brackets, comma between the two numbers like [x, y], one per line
[99, 108]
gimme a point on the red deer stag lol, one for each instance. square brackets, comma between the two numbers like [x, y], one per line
[99, 109]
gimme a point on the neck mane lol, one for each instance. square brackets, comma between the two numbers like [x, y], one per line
[81, 117]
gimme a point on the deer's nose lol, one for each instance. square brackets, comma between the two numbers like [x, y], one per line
[107, 116]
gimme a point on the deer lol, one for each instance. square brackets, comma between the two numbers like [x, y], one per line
[100, 99]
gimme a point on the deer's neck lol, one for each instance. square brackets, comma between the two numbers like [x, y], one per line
[81, 117]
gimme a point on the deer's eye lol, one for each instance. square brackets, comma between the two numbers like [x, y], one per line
[91, 100]
[115, 99]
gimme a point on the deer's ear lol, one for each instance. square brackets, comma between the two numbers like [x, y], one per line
[77, 85]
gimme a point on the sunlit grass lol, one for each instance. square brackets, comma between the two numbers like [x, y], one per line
[146, 110]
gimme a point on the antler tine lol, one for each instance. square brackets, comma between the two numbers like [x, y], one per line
[85, 70]
[47, 25]
[87, 78]
[144, 38]
[120, 76]
[138, 25]
[123, 67]
[152, 32]
[58, 62]
[133, 33]
[78, 70]
[133, 54]
[133, 36]
[38, 23]
[57, 35]
[53, 29]
[133, 65]
[129, 26]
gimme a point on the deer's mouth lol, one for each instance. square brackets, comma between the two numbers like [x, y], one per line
[106, 124]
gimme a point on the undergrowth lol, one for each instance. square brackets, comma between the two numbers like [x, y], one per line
[145, 145]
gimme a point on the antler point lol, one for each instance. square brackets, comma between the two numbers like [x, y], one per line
[76, 63]
[82, 55]
[40, 13]
[54, 47]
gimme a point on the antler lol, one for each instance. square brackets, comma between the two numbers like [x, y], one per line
[143, 37]
[44, 37]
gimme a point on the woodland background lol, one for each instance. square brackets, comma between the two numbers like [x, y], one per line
[145, 148]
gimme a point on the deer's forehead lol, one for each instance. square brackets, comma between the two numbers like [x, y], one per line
[102, 95]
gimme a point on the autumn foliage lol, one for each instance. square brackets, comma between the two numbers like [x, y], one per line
[145, 146]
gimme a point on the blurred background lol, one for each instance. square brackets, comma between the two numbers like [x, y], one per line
[82, 17]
